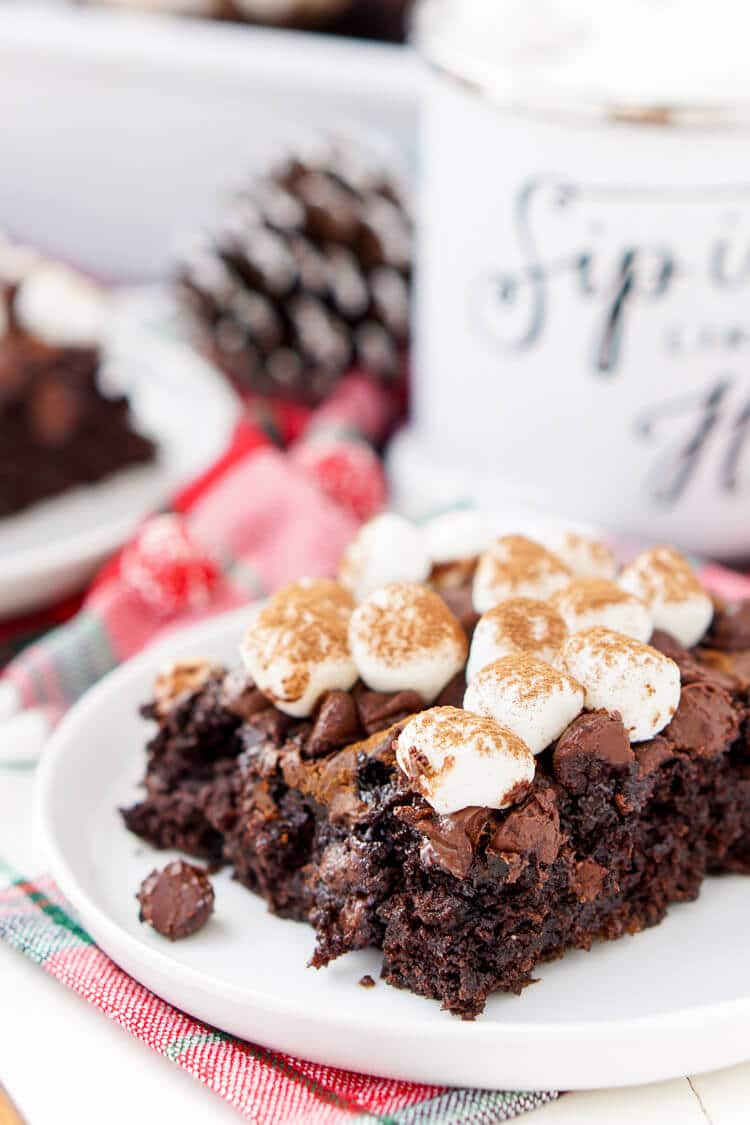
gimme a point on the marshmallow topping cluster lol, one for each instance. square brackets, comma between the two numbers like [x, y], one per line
[559, 633]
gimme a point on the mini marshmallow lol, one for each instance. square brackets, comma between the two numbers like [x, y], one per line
[587, 602]
[456, 759]
[516, 625]
[528, 696]
[514, 566]
[461, 534]
[386, 549]
[297, 648]
[404, 638]
[180, 680]
[584, 556]
[60, 306]
[665, 581]
[621, 674]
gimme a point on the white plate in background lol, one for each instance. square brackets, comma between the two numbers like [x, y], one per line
[178, 400]
[146, 120]
[673, 1000]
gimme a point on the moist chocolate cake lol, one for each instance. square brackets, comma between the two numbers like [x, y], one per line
[58, 429]
[469, 835]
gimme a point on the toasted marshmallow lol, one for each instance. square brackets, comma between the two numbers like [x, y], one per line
[528, 696]
[584, 556]
[515, 566]
[387, 549]
[665, 581]
[456, 759]
[297, 648]
[516, 625]
[587, 602]
[180, 680]
[60, 306]
[621, 674]
[404, 638]
[462, 534]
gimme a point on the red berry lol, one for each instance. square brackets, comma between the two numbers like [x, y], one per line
[168, 568]
[349, 472]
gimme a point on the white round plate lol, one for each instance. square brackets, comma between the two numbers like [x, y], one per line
[179, 400]
[674, 1000]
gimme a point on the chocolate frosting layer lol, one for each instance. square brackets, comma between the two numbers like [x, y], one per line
[705, 722]
[593, 739]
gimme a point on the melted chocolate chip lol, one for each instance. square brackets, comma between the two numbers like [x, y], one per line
[379, 709]
[532, 829]
[652, 754]
[593, 740]
[241, 697]
[730, 630]
[176, 901]
[705, 722]
[450, 840]
[336, 725]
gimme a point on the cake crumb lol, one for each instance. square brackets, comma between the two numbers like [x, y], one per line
[366, 981]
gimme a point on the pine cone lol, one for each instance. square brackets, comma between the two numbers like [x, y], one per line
[307, 275]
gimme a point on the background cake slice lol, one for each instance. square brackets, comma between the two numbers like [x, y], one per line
[58, 427]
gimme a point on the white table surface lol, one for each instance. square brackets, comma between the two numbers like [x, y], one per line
[63, 1062]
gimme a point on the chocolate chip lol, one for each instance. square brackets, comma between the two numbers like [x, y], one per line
[459, 602]
[272, 724]
[241, 697]
[594, 740]
[532, 829]
[176, 901]
[379, 709]
[730, 630]
[336, 725]
[453, 693]
[667, 644]
[705, 722]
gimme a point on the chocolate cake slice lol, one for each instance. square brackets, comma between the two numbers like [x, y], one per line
[58, 428]
[471, 835]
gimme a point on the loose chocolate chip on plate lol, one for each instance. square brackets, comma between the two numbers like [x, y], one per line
[177, 901]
